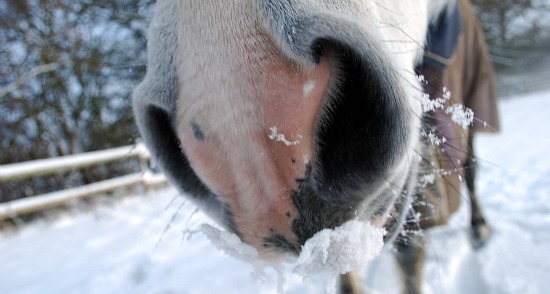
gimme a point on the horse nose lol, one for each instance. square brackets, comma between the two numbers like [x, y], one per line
[281, 139]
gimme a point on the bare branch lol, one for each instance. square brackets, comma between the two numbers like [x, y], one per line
[32, 73]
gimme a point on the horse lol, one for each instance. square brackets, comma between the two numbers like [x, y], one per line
[280, 118]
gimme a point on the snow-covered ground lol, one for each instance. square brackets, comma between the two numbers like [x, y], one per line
[144, 244]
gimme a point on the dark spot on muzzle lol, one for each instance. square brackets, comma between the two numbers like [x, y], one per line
[197, 131]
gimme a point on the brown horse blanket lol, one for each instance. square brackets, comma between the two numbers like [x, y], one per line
[468, 74]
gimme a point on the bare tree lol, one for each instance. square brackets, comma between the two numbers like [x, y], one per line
[66, 71]
[514, 22]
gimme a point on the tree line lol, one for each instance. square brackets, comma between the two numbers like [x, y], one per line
[517, 31]
[67, 68]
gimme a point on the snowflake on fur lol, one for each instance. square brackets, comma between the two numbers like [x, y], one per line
[460, 114]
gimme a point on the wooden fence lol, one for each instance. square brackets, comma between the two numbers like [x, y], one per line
[41, 167]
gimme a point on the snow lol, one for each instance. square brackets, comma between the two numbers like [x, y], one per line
[460, 115]
[434, 139]
[150, 243]
[278, 137]
[340, 250]
[309, 86]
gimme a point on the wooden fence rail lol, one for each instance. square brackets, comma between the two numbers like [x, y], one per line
[18, 171]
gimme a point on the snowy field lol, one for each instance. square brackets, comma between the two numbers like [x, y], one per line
[143, 244]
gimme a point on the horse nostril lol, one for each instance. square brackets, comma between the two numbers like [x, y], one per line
[158, 132]
[157, 129]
